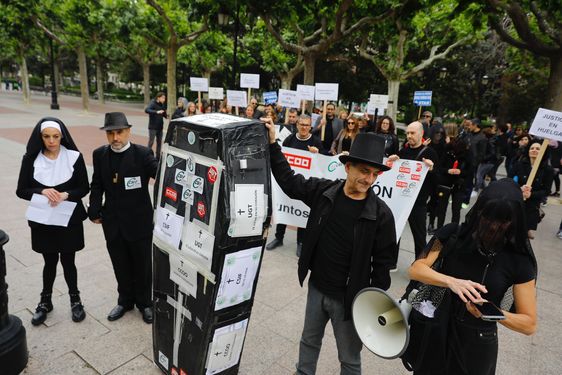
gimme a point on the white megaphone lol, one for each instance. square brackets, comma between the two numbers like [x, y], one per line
[381, 322]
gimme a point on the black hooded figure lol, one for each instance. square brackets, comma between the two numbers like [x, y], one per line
[492, 259]
[53, 169]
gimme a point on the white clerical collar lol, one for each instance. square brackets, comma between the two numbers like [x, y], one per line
[122, 149]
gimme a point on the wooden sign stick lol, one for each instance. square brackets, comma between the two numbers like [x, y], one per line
[287, 115]
[323, 131]
[419, 113]
[249, 95]
[303, 107]
[237, 111]
[199, 101]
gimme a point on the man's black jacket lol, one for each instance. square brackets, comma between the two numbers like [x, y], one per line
[374, 243]
[155, 120]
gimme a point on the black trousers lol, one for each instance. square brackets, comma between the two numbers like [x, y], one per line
[132, 264]
[153, 133]
[417, 221]
[280, 232]
[457, 195]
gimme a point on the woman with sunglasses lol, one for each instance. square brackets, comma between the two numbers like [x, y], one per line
[345, 138]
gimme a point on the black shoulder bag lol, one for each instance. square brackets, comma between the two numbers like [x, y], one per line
[427, 348]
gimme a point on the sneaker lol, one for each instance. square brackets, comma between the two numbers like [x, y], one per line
[464, 206]
[474, 194]
[559, 234]
[393, 269]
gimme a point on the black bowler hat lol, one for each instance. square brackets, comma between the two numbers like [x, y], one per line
[367, 148]
[115, 121]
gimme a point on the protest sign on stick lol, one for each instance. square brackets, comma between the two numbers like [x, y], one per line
[200, 85]
[237, 99]
[325, 92]
[249, 81]
[547, 125]
[306, 93]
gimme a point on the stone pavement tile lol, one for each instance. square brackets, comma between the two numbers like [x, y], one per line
[279, 292]
[45, 344]
[110, 351]
[262, 347]
[261, 312]
[515, 351]
[328, 362]
[288, 322]
[371, 364]
[138, 365]
[67, 364]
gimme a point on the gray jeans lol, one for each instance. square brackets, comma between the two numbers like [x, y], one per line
[153, 133]
[319, 309]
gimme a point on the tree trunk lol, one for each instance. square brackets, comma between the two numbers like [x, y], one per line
[99, 81]
[24, 79]
[393, 89]
[171, 52]
[146, 82]
[84, 91]
[554, 92]
[309, 65]
[286, 81]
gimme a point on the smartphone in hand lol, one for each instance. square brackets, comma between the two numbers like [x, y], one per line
[490, 312]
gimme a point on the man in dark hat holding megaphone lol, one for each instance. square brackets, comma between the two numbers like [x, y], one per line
[122, 171]
[350, 244]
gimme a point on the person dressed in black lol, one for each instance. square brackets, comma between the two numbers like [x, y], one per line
[453, 169]
[540, 188]
[156, 114]
[180, 109]
[414, 149]
[349, 245]
[492, 260]
[386, 129]
[53, 168]
[301, 140]
[332, 124]
[344, 140]
[122, 171]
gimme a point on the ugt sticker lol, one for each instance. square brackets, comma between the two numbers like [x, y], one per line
[212, 174]
[201, 210]
[171, 193]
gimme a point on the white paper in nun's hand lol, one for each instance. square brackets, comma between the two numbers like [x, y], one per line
[40, 211]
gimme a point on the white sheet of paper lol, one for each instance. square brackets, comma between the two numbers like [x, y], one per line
[289, 98]
[198, 84]
[224, 351]
[217, 119]
[249, 81]
[326, 91]
[238, 275]
[168, 227]
[247, 210]
[216, 93]
[197, 245]
[183, 274]
[236, 98]
[40, 211]
[306, 92]
[284, 134]
[371, 108]
[379, 101]
[547, 124]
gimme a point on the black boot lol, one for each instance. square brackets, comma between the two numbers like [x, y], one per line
[44, 307]
[78, 313]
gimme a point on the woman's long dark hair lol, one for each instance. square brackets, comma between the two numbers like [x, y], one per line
[391, 128]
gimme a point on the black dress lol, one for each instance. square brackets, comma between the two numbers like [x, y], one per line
[52, 238]
[469, 337]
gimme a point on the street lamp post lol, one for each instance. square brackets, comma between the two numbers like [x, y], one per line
[54, 103]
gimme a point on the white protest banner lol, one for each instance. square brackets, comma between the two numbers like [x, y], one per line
[398, 187]
[379, 101]
[216, 93]
[306, 92]
[250, 81]
[547, 124]
[236, 98]
[238, 275]
[326, 91]
[371, 109]
[198, 84]
[226, 347]
[289, 99]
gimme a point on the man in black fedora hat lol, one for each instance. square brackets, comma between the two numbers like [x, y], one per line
[122, 171]
[350, 244]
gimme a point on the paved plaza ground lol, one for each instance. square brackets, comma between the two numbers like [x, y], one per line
[97, 346]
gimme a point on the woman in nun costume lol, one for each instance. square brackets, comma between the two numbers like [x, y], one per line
[53, 168]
